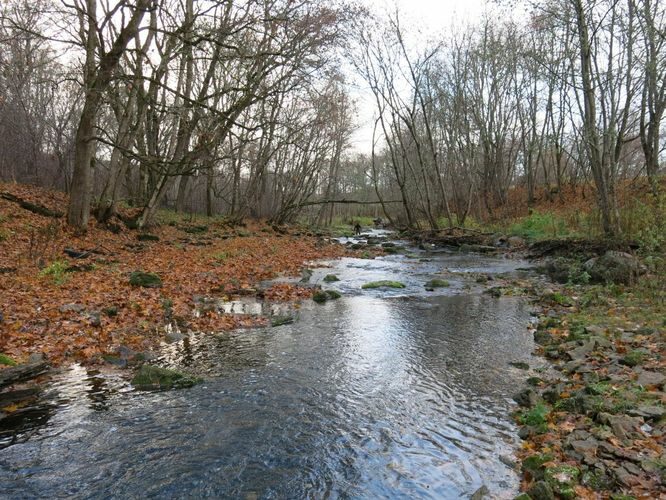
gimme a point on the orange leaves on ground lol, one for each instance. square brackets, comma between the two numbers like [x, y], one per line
[92, 311]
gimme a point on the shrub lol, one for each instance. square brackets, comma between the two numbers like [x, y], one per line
[57, 270]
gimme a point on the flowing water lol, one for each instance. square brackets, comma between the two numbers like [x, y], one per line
[383, 393]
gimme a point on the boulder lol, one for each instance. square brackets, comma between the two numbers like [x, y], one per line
[614, 267]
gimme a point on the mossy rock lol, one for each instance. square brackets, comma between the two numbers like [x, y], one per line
[151, 377]
[330, 278]
[563, 479]
[146, 280]
[282, 320]
[521, 365]
[321, 296]
[383, 284]
[391, 250]
[148, 237]
[6, 360]
[437, 283]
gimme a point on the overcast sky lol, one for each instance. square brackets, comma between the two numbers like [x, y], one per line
[430, 17]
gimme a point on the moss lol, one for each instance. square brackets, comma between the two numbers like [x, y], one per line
[383, 284]
[563, 479]
[536, 416]
[333, 294]
[534, 381]
[6, 360]
[521, 365]
[320, 297]
[437, 283]
[146, 280]
[154, 377]
[634, 358]
[330, 278]
[110, 311]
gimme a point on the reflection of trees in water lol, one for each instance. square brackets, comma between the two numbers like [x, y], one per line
[468, 339]
[215, 354]
[20, 425]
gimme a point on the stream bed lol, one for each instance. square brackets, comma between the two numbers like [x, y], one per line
[397, 393]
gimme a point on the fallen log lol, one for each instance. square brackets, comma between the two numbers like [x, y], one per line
[22, 373]
[32, 207]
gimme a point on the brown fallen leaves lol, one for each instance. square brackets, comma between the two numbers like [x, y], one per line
[78, 314]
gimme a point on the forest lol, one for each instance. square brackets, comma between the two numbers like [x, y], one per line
[379, 260]
[246, 110]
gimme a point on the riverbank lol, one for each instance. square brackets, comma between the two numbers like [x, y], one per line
[79, 298]
[596, 428]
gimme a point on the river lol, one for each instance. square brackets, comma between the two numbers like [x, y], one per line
[399, 393]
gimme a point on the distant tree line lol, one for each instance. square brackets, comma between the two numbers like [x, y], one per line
[241, 108]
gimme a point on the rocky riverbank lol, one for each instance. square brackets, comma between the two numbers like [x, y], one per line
[595, 427]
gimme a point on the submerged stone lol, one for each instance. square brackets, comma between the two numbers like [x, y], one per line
[151, 377]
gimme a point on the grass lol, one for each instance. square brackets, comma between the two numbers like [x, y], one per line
[57, 271]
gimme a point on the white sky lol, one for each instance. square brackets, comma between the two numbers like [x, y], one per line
[430, 18]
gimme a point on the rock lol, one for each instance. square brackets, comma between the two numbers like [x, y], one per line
[521, 365]
[37, 357]
[649, 378]
[95, 318]
[515, 242]
[623, 426]
[595, 330]
[614, 267]
[527, 398]
[650, 412]
[481, 493]
[151, 377]
[330, 278]
[587, 448]
[76, 308]
[306, 274]
[146, 280]
[541, 491]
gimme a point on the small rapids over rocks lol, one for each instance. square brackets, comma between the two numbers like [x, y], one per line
[385, 392]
